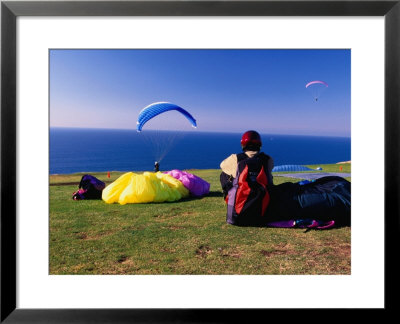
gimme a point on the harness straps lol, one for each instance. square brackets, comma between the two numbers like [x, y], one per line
[243, 156]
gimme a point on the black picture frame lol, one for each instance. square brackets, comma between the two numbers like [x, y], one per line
[10, 10]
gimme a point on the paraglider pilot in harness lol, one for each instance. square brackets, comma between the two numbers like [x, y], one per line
[251, 146]
[156, 166]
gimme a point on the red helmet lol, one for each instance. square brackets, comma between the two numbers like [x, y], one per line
[251, 139]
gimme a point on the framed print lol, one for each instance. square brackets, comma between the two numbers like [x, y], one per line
[54, 57]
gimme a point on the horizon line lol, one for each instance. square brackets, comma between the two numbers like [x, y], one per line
[200, 131]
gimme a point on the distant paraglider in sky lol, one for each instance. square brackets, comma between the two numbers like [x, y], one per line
[316, 88]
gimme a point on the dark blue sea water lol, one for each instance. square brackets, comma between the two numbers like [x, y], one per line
[90, 150]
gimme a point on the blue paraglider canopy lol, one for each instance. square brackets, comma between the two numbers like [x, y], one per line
[157, 108]
[290, 167]
[305, 175]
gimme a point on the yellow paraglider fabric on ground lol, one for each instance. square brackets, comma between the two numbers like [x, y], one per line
[132, 188]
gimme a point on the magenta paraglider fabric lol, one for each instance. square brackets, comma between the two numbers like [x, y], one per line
[196, 185]
[316, 82]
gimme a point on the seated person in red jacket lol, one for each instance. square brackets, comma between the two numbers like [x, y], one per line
[251, 145]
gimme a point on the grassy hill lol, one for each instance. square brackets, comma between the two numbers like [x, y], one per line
[189, 236]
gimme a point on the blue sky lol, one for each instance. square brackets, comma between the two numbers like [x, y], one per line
[225, 90]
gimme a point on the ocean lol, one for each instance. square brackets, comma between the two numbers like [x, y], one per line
[101, 150]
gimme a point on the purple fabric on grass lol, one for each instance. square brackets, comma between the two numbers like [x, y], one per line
[89, 180]
[196, 185]
[307, 223]
[283, 224]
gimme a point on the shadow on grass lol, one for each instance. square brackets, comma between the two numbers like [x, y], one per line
[210, 194]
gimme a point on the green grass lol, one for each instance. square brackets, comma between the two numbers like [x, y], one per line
[185, 237]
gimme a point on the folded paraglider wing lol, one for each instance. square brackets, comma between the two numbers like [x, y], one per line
[290, 167]
[157, 108]
[196, 185]
[131, 188]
